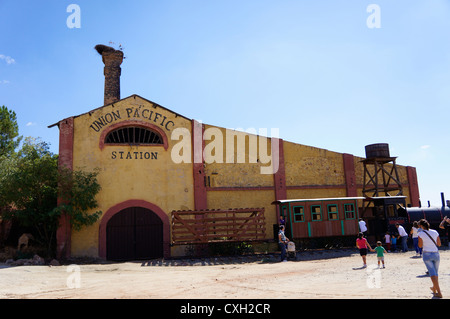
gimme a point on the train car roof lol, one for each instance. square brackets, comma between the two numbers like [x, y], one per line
[283, 201]
[386, 197]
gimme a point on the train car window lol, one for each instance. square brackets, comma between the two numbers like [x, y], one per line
[299, 214]
[333, 213]
[349, 210]
[316, 213]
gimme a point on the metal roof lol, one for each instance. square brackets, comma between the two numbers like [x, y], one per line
[386, 197]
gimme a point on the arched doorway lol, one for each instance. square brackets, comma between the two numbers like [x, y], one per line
[150, 213]
[134, 233]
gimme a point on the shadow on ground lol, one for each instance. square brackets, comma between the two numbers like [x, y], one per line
[255, 258]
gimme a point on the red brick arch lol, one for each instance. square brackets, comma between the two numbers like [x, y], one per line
[134, 203]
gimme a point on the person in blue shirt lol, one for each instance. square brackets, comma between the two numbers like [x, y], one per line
[394, 242]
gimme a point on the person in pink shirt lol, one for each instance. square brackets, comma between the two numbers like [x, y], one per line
[362, 244]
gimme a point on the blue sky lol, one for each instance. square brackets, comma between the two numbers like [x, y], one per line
[313, 69]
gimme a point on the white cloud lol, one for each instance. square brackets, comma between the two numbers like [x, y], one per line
[7, 59]
[424, 147]
[30, 124]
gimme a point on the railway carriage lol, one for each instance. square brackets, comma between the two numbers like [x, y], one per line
[320, 217]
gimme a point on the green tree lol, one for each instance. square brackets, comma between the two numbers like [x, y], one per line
[30, 184]
[9, 132]
[77, 191]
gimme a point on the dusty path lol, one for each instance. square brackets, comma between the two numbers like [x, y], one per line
[404, 277]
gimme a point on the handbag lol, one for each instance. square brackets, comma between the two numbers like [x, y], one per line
[431, 238]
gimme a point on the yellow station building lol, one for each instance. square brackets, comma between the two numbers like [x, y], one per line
[154, 161]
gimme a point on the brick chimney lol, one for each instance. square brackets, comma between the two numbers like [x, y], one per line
[112, 59]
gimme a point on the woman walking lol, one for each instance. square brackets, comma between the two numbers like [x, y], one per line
[282, 241]
[362, 244]
[415, 237]
[429, 241]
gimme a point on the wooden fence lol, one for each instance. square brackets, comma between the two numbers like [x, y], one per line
[208, 226]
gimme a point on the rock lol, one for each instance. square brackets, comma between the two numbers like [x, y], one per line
[54, 262]
[20, 262]
[37, 260]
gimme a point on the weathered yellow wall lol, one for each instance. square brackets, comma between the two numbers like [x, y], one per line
[307, 165]
[316, 193]
[158, 181]
[236, 171]
[245, 199]
[240, 169]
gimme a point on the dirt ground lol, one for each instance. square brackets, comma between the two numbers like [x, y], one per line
[321, 275]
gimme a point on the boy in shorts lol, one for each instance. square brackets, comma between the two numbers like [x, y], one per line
[380, 253]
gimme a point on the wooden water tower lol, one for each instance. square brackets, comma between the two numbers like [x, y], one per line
[381, 177]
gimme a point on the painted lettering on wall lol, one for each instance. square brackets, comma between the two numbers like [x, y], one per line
[136, 113]
[122, 155]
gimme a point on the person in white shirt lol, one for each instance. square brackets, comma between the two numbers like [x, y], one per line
[362, 226]
[282, 241]
[415, 237]
[387, 241]
[404, 236]
[430, 242]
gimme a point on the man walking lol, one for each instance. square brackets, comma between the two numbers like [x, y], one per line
[404, 237]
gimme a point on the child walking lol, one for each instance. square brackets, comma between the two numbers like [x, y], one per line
[380, 253]
[362, 244]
